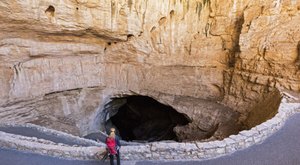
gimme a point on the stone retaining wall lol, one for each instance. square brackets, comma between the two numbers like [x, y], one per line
[213, 149]
[55, 133]
[158, 150]
[46, 147]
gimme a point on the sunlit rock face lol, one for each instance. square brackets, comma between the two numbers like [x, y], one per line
[63, 61]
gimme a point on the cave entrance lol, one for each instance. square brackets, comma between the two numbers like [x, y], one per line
[141, 118]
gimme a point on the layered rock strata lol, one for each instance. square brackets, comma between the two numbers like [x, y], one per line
[236, 53]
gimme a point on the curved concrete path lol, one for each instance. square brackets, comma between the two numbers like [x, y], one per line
[282, 148]
[32, 132]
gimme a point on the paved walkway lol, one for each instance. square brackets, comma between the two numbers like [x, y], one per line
[32, 132]
[283, 148]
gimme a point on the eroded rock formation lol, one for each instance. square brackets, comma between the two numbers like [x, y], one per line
[61, 62]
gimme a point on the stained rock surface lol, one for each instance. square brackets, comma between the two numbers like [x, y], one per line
[62, 61]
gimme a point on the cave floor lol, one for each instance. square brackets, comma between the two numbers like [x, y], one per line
[281, 148]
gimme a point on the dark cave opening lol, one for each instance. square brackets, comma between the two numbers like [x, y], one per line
[142, 118]
[50, 10]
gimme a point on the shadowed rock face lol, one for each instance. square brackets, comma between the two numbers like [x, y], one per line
[141, 118]
[144, 119]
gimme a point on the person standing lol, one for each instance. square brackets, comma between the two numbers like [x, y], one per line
[113, 146]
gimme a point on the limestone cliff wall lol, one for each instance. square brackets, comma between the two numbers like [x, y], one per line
[227, 51]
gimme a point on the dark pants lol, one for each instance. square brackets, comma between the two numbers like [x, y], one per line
[111, 157]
